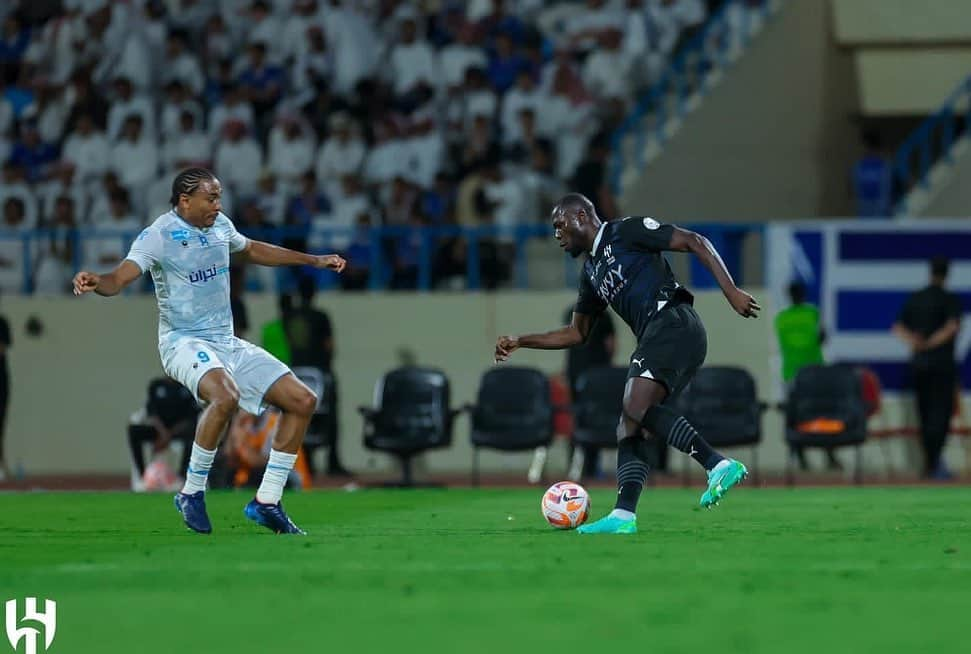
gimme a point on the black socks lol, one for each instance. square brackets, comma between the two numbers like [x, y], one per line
[631, 472]
[678, 432]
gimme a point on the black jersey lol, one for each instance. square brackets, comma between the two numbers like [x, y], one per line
[627, 270]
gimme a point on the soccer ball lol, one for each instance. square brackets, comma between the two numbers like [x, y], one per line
[159, 477]
[566, 505]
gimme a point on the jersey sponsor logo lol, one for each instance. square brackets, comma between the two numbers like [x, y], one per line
[179, 234]
[650, 223]
[612, 282]
[204, 275]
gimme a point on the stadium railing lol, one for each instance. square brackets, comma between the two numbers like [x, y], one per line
[711, 48]
[931, 142]
[728, 238]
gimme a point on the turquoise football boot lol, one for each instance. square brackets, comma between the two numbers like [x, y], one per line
[609, 525]
[720, 479]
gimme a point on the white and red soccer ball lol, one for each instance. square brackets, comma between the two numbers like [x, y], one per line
[566, 505]
[160, 477]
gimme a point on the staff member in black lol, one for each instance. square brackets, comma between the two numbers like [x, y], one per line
[171, 413]
[596, 352]
[929, 324]
[311, 339]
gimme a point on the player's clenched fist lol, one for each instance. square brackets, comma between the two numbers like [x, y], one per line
[505, 345]
[331, 262]
[85, 282]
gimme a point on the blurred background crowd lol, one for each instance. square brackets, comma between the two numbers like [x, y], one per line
[314, 114]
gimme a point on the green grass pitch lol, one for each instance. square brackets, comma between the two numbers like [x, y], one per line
[780, 571]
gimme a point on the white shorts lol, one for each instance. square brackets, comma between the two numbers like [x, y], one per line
[253, 369]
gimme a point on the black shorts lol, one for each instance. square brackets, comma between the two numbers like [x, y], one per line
[672, 348]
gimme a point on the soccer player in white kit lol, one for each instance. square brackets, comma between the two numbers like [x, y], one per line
[187, 250]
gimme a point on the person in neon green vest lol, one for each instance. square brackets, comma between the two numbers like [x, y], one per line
[273, 337]
[801, 338]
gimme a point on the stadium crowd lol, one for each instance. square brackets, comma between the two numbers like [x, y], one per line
[314, 114]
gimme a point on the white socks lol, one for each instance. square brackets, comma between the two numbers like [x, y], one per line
[198, 471]
[275, 477]
[621, 514]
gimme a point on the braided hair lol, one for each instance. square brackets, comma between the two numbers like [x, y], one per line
[188, 181]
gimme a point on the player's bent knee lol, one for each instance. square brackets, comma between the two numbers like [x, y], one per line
[226, 400]
[301, 402]
[305, 403]
[218, 389]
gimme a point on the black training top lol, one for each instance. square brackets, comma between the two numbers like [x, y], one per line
[170, 402]
[925, 312]
[628, 271]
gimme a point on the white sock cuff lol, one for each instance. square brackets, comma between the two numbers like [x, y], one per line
[279, 458]
[205, 456]
[275, 478]
[200, 462]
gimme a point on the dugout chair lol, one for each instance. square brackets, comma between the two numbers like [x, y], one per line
[410, 415]
[825, 408]
[597, 406]
[513, 412]
[721, 402]
[322, 430]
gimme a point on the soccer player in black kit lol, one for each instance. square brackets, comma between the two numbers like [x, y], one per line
[626, 269]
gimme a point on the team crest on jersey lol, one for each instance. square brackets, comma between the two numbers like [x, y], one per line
[609, 254]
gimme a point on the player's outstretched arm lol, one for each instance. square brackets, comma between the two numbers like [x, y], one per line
[683, 240]
[573, 334]
[110, 283]
[267, 254]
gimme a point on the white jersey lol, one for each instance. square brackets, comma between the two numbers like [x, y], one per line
[190, 268]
